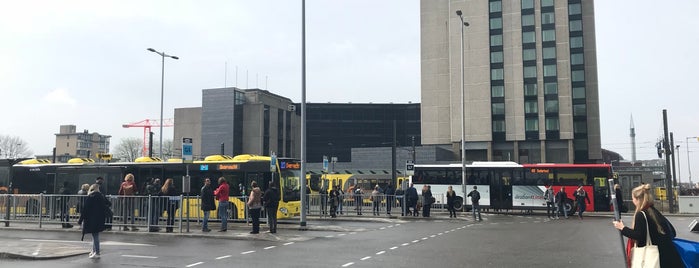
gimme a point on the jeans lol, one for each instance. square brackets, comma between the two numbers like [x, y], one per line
[272, 218]
[581, 208]
[96, 242]
[205, 223]
[550, 210]
[477, 208]
[389, 203]
[223, 214]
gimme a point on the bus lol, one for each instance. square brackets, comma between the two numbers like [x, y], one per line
[30, 177]
[509, 185]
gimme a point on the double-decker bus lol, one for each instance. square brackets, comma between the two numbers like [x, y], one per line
[509, 185]
[31, 177]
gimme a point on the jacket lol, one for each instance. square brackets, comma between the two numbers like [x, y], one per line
[255, 201]
[451, 198]
[669, 257]
[271, 198]
[93, 213]
[221, 192]
[207, 198]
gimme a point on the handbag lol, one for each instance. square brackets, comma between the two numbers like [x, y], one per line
[648, 256]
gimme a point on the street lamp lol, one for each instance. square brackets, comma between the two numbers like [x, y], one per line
[689, 164]
[463, 114]
[162, 92]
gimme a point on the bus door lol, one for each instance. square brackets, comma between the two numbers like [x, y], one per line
[601, 194]
[502, 183]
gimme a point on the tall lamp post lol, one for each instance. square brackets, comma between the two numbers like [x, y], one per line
[689, 164]
[463, 114]
[162, 93]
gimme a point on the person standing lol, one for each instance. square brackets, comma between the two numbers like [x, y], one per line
[580, 198]
[153, 191]
[82, 196]
[127, 190]
[92, 218]
[341, 195]
[619, 198]
[400, 197]
[172, 203]
[476, 207]
[334, 197]
[649, 222]
[207, 203]
[451, 198]
[561, 197]
[109, 213]
[358, 199]
[221, 194]
[255, 205]
[390, 198]
[271, 203]
[411, 200]
[548, 196]
[375, 200]
[64, 205]
[426, 200]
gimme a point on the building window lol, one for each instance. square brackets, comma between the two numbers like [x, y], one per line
[530, 90]
[497, 91]
[576, 42]
[578, 93]
[574, 9]
[498, 108]
[549, 53]
[578, 75]
[548, 35]
[576, 59]
[531, 107]
[528, 37]
[549, 70]
[495, 6]
[531, 124]
[495, 23]
[528, 20]
[579, 110]
[580, 127]
[530, 72]
[497, 74]
[551, 106]
[546, 3]
[529, 54]
[551, 124]
[550, 88]
[548, 18]
[526, 4]
[496, 40]
[499, 126]
[496, 57]
[575, 25]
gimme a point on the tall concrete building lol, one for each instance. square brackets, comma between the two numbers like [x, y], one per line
[70, 144]
[530, 79]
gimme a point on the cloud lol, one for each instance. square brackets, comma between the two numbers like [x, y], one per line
[60, 96]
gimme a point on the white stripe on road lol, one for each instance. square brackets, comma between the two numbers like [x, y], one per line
[270, 247]
[139, 256]
[247, 252]
[424, 238]
[366, 258]
[194, 264]
[347, 264]
[288, 243]
[341, 234]
[433, 236]
[380, 252]
[329, 236]
[392, 248]
[223, 257]
[405, 244]
[415, 241]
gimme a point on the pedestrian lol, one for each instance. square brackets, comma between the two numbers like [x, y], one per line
[172, 203]
[400, 196]
[427, 200]
[323, 195]
[375, 198]
[271, 203]
[207, 203]
[561, 198]
[154, 192]
[619, 199]
[255, 206]
[109, 213]
[549, 197]
[92, 218]
[358, 199]
[475, 206]
[580, 198]
[127, 190]
[221, 194]
[451, 198]
[390, 198]
[650, 223]
[82, 195]
[411, 200]
[308, 198]
[341, 196]
[64, 205]
[334, 199]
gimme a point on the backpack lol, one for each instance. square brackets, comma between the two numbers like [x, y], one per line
[475, 196]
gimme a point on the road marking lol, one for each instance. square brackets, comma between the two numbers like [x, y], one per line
[223, 257]
[405, 244]
[390, 226]
[38, 249]
[288, 243]
[440, 233]
[194, 264]
[382, 228]
[353, 233]
[415, 241]
[397, 224]
[347, 264]
[433, 236]
[392, 248]
[380, 252]
[341, 234]
[424, 238]
[329, 236]
[139, 256]
[247, 252]
[366, 258]
[270, 247]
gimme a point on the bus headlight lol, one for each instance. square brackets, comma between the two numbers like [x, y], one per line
[284, 211]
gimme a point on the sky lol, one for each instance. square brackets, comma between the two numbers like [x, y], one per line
[85, 63]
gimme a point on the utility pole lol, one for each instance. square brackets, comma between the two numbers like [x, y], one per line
[668, 177]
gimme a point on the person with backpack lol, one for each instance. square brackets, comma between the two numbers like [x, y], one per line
[476, 208]
[580, 198]
[549, 197]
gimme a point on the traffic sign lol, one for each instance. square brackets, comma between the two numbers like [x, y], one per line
[186, 149]
[409, 168]
[273, 163]
[325, 163]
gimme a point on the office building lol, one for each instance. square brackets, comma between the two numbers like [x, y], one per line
[71, 144]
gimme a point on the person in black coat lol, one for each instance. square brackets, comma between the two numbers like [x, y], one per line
[270, 200]
[173, 204]
[93, 216]
[207, 203]
[411, 200]
[647, 219]
[619, 199]
[390, 194]
[426, 200]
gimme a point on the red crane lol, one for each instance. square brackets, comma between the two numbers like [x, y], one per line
[146, 125]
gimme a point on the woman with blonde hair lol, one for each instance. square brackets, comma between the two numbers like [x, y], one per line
[168, 190]
[648, 220]
[92, 218]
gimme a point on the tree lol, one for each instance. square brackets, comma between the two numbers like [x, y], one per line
[13, 147]
[168, 151]
[129, 149]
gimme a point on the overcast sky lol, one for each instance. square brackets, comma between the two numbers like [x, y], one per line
[85, 62]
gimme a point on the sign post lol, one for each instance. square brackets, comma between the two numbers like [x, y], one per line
[186, 180]
[409, 168]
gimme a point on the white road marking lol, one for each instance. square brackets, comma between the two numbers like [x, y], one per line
[194, 264]
[390, 226]
[433, 236]
[424, 238]
[270, 247]
[380, 252]
[446, 232]
[223, 257]
[392, 248]
[341, 234]
[347, 264]
[382, 228]
[247, 252]
[288, 243]
[366, 258]
[440, 233]
[139, 256]
[415, 241]
[329, 236]
[353, 233]
[405, 244]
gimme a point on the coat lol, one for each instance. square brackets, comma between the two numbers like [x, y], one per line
[669, 257]
[93, 213]
[271, 198]
[207, 198]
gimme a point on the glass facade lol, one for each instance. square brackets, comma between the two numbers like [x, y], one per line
[577, 67]
[497, 74]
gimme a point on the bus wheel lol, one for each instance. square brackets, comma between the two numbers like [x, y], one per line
[458, 203]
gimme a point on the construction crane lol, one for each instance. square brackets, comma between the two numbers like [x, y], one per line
[146, 125]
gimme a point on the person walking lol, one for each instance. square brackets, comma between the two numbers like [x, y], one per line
[375, 200]
[271, 203]
[390, 198]
[411, 200]
[451, 198]
[475, 199]
[207, 204]
[255, 206]
[172, 203]
[221, 194]
[92, 218]
[127, 190]
[561, 198]
[549, 197]
[650, 223]
[580, 198]
[63, 203]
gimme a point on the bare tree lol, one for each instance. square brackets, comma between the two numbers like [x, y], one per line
[168, 151]
[129, 149]
[13, 147]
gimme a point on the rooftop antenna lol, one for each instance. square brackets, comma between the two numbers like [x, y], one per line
[633, 140]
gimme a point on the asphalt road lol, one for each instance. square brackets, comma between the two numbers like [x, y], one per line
[498, 241]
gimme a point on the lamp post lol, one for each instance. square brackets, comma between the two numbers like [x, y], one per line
[689, 164]
[162, 93]
[463, 114]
